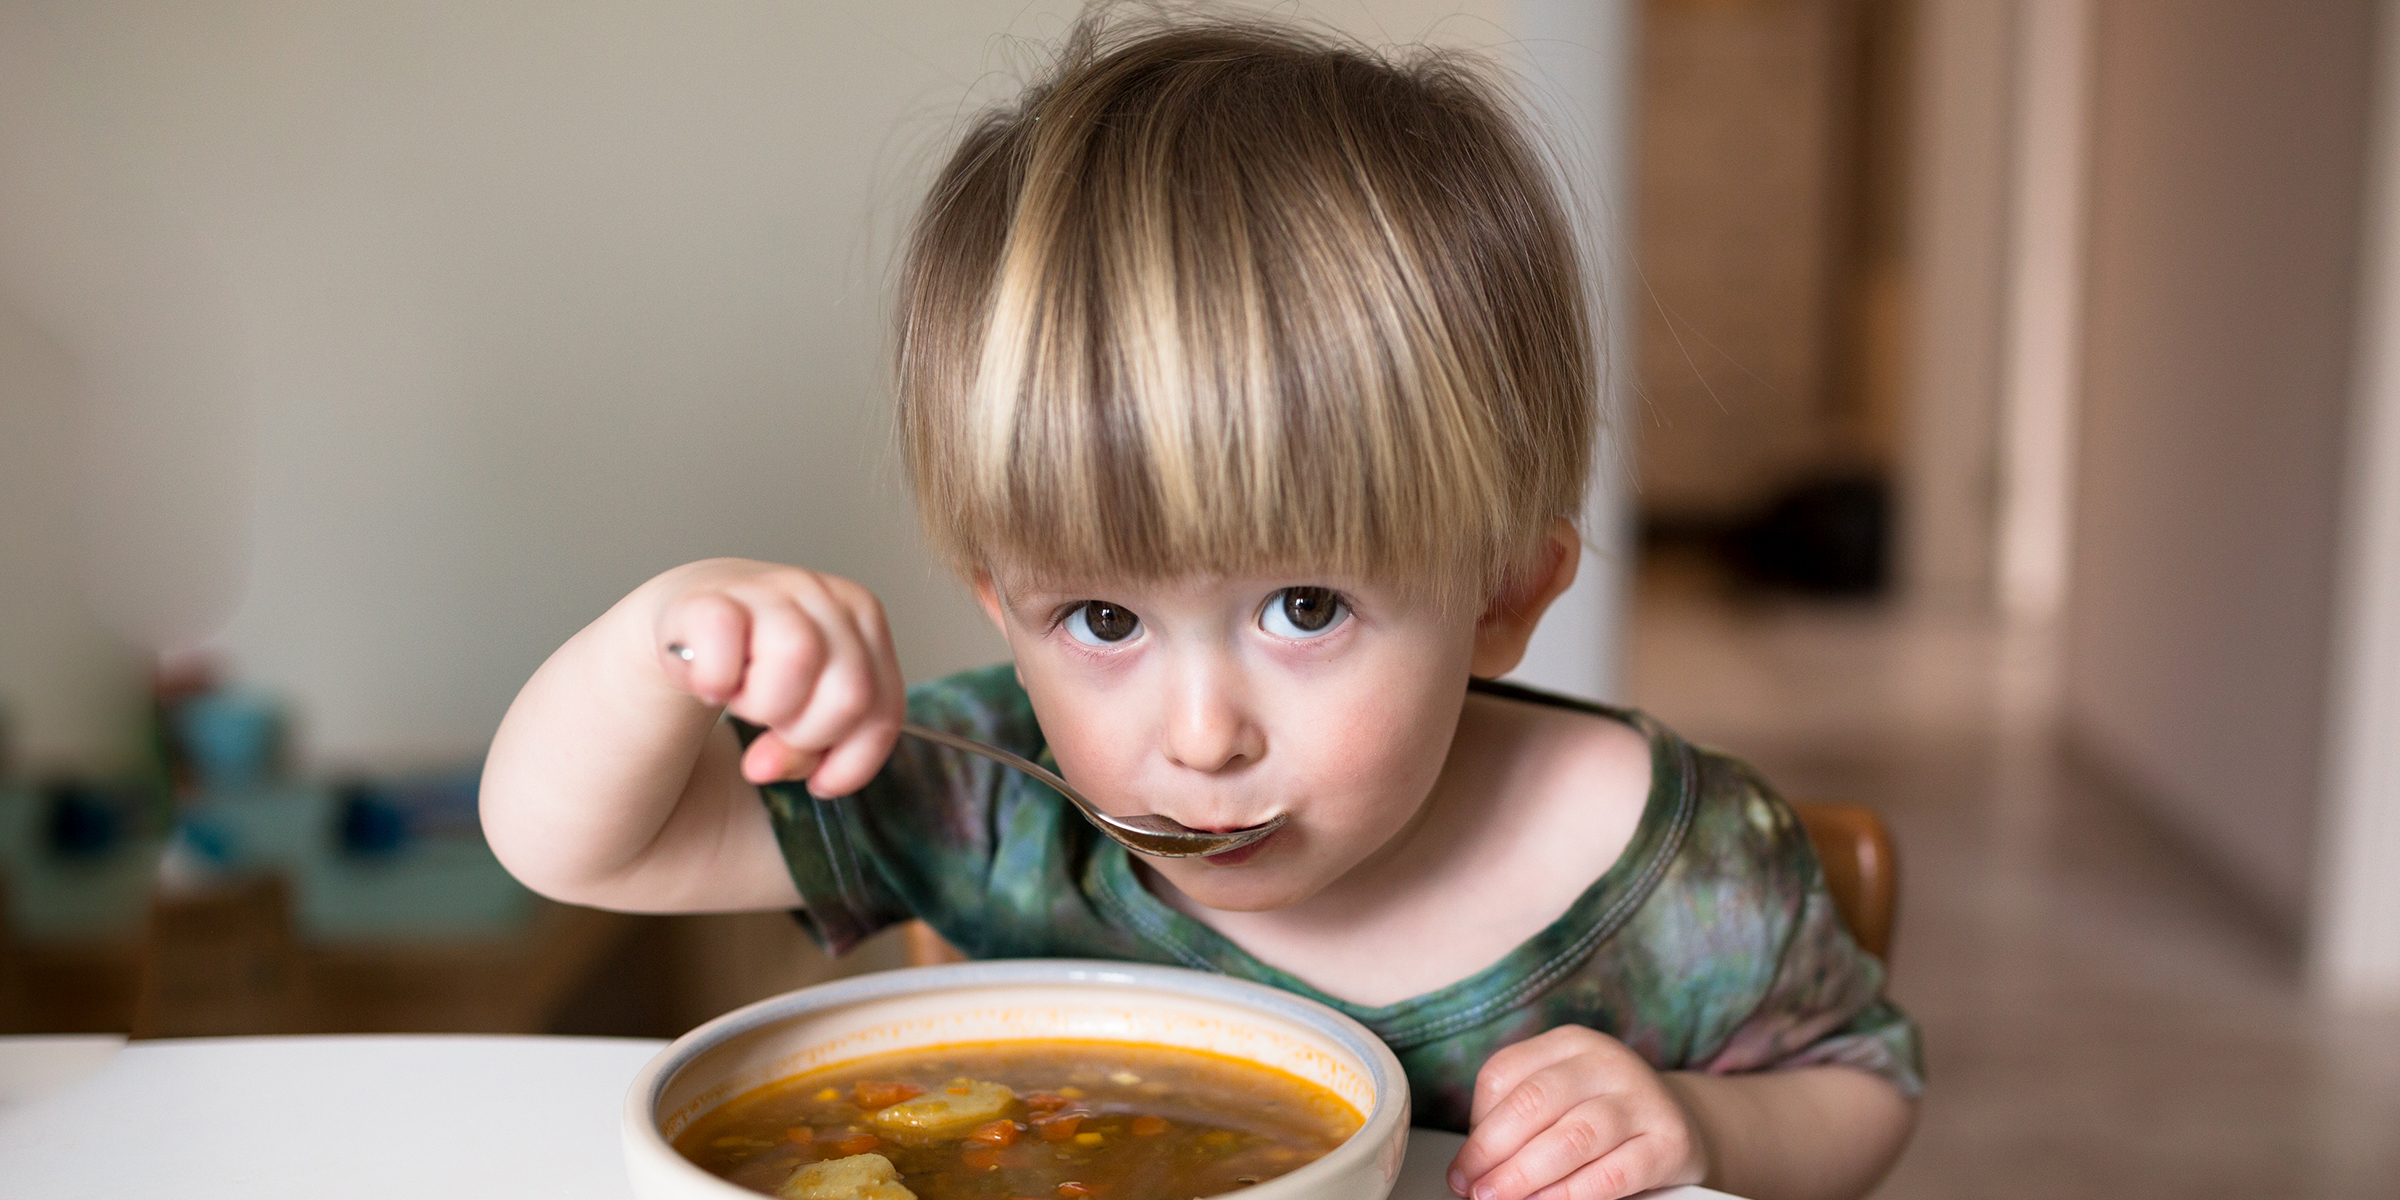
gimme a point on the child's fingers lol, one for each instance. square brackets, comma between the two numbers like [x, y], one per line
[786, 653]
[855, 758]
[769, 760]
[1580, 1136]
[853, 761]
[1638, 1164]
[1522, 1090]
[1512, 1064]
[703, 644]
[845, 687]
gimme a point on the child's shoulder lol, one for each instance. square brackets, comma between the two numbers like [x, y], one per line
[1708, 813]
[1741, 824]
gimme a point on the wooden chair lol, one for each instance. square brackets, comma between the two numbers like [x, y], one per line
[1861, 870]
[927, 948]
[220, 961]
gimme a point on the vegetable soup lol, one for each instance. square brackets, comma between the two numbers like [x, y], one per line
[1028, 1120]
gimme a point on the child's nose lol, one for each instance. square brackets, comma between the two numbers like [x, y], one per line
[1209, 729]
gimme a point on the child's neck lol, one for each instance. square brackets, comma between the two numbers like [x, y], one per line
[1533, 804]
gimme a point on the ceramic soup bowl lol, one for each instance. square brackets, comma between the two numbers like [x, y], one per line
[1022, 999]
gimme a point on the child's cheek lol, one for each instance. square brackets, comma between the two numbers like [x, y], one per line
[1088, 728]
[1388, 745]
[1095, 757]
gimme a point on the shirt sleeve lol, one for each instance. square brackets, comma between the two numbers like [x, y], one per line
[919, 839]
[1824, 1004]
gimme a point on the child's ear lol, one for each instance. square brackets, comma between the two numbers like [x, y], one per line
[988, 597]
[1507, 625]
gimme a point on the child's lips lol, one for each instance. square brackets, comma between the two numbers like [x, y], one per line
[1240, 854]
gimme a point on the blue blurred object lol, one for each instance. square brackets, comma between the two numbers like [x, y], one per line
[77, 858]
[78, 821]
[440, 802]
[231, 738]
[414, 865]
[371, 825]
[428, 887]
[260, 827]
[373, 859]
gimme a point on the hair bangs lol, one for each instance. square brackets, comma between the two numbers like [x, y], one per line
[1231, 300]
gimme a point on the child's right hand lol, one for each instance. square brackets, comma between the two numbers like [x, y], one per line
[806, 655]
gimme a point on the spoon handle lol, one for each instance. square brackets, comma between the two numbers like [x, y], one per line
[1148, 833]
[1003, 757]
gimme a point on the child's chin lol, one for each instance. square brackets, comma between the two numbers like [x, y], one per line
[1237, 890]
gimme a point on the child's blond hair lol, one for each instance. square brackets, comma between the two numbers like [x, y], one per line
[1233, 297]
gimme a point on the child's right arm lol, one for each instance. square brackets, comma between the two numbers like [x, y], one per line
[611, 781]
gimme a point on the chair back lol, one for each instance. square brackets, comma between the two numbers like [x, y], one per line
[1861, 869]
[927, 948]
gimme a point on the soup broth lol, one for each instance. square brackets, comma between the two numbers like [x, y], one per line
[1054, 1120]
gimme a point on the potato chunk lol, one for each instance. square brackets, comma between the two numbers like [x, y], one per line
[945, 1111]
[858, 1177]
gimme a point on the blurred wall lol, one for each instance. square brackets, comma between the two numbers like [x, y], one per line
[69, 690]
[1745, 190]
[2354, 936]
[1581, 66]
[405, 338]
[2228, 156]
[1958, 233]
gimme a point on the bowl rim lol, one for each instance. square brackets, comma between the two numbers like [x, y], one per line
[1388, 1114]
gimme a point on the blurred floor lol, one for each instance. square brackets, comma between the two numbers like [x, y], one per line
[2101, 1018]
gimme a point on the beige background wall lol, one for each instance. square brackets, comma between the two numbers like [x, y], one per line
[380, 347]
[2227, 166]
[2354, 942]
[67, 688]
[1958, 263]
[1746, 113]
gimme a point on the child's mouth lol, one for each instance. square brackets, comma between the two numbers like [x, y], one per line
[1239, 854]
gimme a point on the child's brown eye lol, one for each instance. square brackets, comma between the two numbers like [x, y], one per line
[1100, 623]
[1303, 612]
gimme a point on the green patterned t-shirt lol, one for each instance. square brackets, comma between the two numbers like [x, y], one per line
[1711, 944]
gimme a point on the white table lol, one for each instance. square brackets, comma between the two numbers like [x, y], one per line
[402, 1117]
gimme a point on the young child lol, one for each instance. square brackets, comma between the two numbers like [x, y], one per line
[1245, 376]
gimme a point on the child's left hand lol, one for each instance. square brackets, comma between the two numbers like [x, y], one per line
[1573, 1114]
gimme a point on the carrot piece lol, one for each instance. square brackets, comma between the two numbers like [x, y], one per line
[1077, 1191]
[801, 1134]
[995, 1133]
[1146, 1125]
[1059, 1128]
[871, 1094]
[980, 1158]
[1039, 1101]
[857, 1145]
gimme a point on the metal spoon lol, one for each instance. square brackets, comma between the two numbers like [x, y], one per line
[1147, 833]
